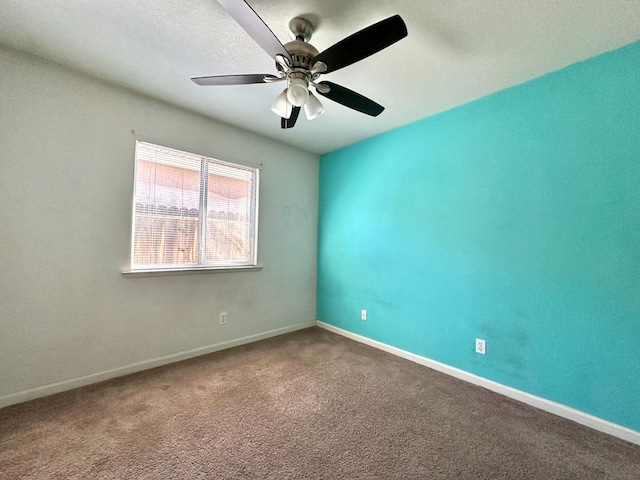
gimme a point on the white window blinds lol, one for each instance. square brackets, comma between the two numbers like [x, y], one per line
[192, 211]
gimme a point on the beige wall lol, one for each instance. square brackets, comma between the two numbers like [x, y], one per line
[67, 314]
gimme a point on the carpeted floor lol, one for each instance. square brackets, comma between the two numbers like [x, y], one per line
[310, 404]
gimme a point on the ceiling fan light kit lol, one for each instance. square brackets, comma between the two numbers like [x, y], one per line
[300, 64]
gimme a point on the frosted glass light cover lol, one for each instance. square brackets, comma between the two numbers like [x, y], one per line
[281, 105]
[298, 92]
[313, 108]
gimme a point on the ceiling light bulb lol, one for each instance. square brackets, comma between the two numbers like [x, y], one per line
[313, 108]
[281, 105]
[298, 92]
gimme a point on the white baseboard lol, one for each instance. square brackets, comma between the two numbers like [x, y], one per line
[58, 387]
[577, 416]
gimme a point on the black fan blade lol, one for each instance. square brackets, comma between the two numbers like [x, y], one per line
[364, 43]
[291, 121]
[232, 79]
[249, 20]
[351, 99]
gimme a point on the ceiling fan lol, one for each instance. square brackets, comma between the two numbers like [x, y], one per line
[300, 64]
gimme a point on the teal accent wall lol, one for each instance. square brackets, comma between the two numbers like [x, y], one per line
[514, 218]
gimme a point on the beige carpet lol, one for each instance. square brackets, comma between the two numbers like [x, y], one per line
[305, 405]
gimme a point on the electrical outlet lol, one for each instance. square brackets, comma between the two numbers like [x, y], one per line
[223, 318]
[481, 346]
[363, 315]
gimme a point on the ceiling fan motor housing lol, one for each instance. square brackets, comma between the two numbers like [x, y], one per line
[302, 54]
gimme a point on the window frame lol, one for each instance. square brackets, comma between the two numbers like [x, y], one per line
[202, 266]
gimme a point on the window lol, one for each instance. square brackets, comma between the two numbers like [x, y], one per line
[192, 211]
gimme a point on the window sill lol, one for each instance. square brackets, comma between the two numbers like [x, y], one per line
[159, 272]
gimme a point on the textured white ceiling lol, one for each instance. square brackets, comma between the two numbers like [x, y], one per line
[456, 51]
